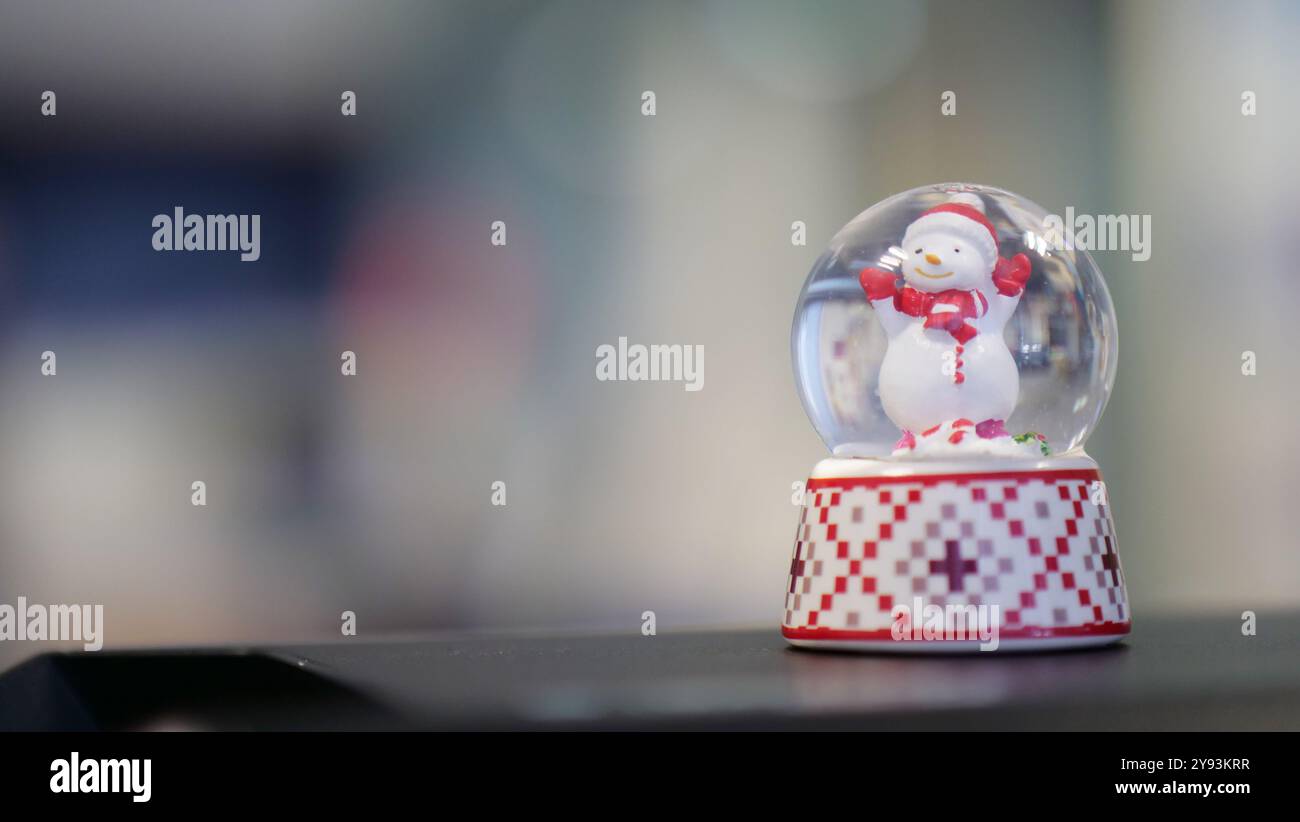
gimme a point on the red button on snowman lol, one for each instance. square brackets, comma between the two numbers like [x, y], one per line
[947, 375]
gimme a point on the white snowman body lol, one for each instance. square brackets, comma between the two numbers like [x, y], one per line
[916, 378]
[928, 375]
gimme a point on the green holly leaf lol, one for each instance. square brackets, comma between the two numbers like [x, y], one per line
[1021, 439]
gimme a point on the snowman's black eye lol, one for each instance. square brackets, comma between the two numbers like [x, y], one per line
[918, 251]
[956, 250]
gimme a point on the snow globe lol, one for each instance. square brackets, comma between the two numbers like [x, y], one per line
[954, 349]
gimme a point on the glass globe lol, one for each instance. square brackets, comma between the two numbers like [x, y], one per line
[870, 372]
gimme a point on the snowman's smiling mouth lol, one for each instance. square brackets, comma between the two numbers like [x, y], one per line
[932, 276]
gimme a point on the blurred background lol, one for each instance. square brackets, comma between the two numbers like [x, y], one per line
[476, 363]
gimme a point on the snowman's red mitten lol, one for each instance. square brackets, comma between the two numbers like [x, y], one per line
[878, 284]
[1011, 275]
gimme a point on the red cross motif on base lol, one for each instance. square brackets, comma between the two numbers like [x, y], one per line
[953, 565]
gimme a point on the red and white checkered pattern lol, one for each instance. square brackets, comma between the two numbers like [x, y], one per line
[1034, 543]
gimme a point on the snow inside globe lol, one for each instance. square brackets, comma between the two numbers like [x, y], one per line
[954, 320]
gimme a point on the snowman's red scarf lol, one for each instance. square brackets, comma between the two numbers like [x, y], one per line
[955, 307]
[944, 310]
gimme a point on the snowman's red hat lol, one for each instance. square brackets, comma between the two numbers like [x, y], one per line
[962, 215]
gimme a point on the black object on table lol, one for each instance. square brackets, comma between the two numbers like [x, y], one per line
[1192, 673]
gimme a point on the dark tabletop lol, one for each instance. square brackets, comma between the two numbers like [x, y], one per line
[1172, 673]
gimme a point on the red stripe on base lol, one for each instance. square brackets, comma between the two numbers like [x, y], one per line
[1027, 632]
[936, 479]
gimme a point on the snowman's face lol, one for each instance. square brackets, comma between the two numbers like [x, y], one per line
[939, 260]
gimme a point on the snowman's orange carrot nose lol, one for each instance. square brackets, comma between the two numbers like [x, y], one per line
[933, 259]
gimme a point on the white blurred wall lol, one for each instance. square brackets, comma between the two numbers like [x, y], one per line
[1207, 493]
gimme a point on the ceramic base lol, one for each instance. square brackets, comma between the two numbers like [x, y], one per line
[1031, 544]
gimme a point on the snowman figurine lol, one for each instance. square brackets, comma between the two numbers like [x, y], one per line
[947, 370]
